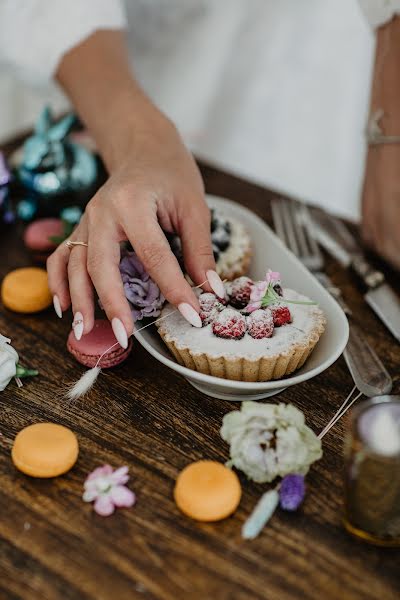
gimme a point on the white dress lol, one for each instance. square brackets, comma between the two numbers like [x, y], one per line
[276, 92]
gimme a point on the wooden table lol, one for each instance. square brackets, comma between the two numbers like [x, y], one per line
[53, 546]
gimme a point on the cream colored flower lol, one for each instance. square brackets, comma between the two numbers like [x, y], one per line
[8, 362]
[270, 440]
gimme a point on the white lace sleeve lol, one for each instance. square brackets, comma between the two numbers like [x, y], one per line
[379, 12]
[35, 34]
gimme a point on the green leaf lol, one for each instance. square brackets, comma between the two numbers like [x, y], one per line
[22, 372]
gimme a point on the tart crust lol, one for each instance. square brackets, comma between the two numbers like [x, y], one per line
[263, 368]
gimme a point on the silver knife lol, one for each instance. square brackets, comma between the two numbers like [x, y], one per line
[337, 240]
[366, 368]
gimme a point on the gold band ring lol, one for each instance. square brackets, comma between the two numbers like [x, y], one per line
[70, 244]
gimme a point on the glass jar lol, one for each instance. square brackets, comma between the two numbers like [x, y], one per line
[372, 471]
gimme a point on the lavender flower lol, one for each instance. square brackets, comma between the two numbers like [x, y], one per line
[292, 491]
[142, 293]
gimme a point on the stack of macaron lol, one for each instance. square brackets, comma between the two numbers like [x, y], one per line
[45, 450]
[90, 348]
[207, 491]
[26, 290]
[41, 237]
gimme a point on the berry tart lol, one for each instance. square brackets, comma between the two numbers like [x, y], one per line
[231, 246]
[258, 332]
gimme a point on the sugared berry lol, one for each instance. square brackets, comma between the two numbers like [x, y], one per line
[229, 324]
[281, 315]
[239, 292]
[210, 306]
[260, 324]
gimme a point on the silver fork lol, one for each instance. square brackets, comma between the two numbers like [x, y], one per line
[293, 224]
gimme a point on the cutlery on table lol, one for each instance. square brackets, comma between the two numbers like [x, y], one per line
[335, 237]
[294, 226]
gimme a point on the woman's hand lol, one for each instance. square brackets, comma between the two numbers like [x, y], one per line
[381, 202]
[155, 187]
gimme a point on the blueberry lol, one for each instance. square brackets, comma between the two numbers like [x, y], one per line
[221, 238]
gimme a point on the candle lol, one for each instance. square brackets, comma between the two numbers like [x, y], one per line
[372, 471]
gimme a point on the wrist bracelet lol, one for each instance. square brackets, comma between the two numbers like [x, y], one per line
[374, 132]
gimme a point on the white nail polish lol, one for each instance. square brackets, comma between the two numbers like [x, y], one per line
[190, 314]
[119, 332]
[77, 325]
[216, 284]
[57, 306]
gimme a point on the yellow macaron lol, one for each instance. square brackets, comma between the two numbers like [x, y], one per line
[207, 491]
[26, 290]
[45, 450]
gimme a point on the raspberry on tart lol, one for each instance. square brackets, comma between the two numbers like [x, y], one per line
[239, 292]
[210, 306]
[281, 315]
[260, 324]
[229, 324]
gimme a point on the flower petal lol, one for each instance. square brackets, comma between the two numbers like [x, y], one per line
[104, 506]
[120, 475]
[100, 472]
[253, 306]
[89, 495]
[121, 496]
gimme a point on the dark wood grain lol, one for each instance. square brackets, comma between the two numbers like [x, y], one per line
[52, 545]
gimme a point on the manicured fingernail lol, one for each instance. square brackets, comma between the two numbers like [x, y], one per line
[57, 306]
[190, 314]
[216, 284]
[77, 325]
[119, 332]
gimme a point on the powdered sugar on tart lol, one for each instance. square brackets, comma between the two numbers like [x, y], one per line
[307, 321]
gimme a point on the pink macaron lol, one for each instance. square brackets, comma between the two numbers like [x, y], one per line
[91, 346]
[37, 237]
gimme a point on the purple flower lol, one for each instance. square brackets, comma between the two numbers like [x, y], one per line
[292, 492]
[105, 487]
[142, 293]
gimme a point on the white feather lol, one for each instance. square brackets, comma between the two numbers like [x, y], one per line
[83, 385]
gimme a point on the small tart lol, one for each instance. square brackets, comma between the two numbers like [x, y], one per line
[247, 358]
[234, 261]
[230, 243]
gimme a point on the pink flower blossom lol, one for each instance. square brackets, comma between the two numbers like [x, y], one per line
[272, 276]
[258, 291]
[105, 487]
[260, 288]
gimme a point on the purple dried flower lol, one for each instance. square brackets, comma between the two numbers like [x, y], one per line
[292, 492]
[142, 293]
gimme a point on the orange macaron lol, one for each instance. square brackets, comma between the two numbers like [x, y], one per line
[26, 290]
[45, 450]
[207, 491]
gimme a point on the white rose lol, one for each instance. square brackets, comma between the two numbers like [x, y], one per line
[8, 362]
[270, 440]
